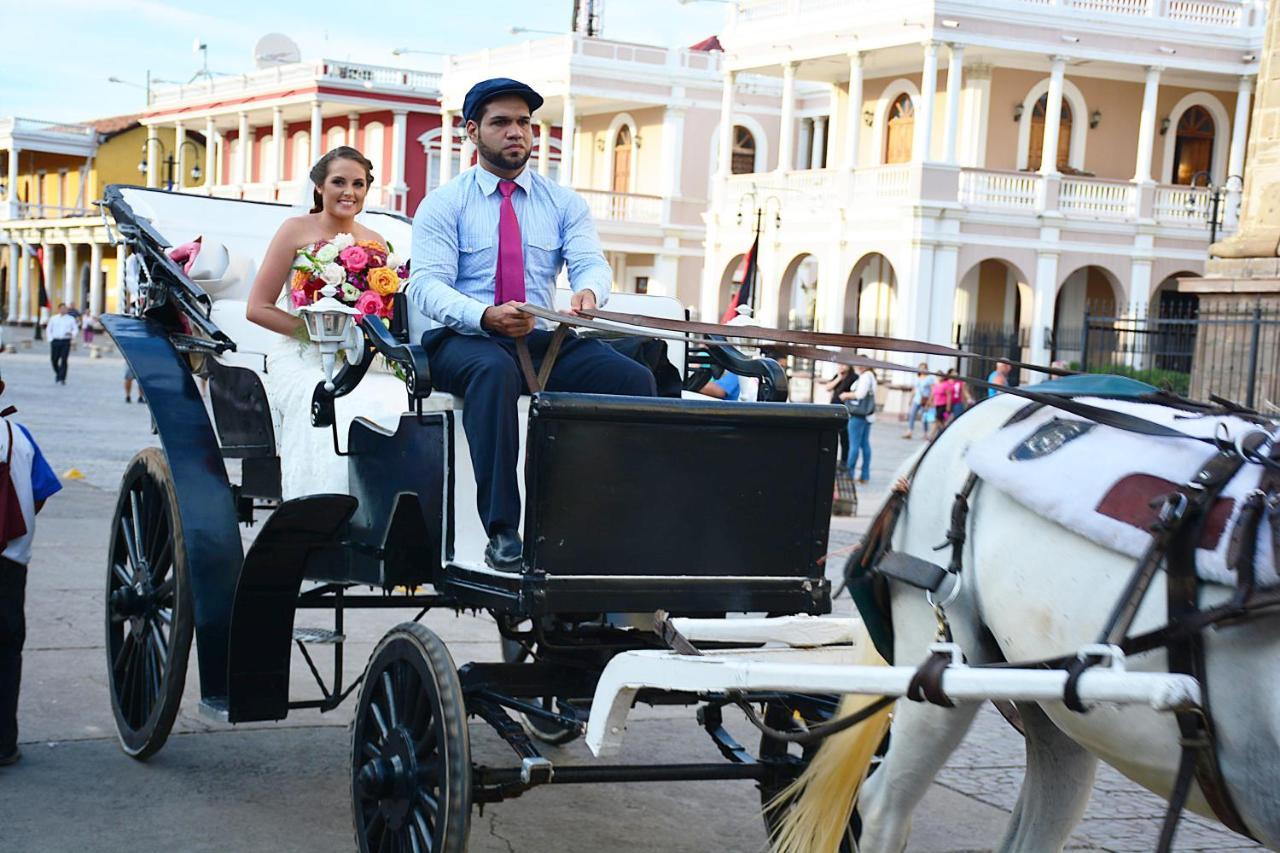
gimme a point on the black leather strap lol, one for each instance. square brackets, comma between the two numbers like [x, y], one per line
[926, 684]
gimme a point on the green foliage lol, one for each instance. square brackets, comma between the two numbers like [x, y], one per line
[1173, 381]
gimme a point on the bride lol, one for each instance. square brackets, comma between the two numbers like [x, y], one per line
[308, 463]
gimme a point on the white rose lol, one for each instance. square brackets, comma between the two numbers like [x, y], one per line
[333, 274]
[342, 241]
[393, 261]
[328, 253]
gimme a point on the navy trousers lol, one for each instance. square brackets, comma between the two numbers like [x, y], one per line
[486, 373]
[13, 633]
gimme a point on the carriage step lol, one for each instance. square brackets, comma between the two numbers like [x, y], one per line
[214, 709]
[317, 636]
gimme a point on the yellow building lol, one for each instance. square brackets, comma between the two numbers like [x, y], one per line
[51, 230]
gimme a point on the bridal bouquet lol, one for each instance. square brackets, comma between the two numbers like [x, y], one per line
[365, 273]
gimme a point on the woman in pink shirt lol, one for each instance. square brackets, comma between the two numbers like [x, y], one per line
[941, 402]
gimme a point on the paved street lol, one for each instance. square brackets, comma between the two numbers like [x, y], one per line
[284, 786]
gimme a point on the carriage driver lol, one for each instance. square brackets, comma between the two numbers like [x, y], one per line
[492, 238]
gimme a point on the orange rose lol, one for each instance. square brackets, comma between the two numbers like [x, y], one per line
[299, 279]
[383, 281]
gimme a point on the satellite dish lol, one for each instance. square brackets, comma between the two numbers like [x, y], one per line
[275, 49]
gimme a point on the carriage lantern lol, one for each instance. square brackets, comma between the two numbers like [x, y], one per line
[329, 324]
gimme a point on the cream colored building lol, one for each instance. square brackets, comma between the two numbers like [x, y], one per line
[919, 189]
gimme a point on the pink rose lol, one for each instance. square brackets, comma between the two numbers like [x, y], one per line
[354, 258]
[300, 298]
[369, 303]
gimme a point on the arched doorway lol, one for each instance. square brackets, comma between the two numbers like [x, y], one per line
[992, 314]
[1084, 317]
[622, 147]
[730, 279]
[899, 129]
[1173, 323]
[798, 294]
[869, 297]
[744, 151]
[1193, 147]
[1036, 151]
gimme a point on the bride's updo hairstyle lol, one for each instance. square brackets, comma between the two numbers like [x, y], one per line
[320, 171]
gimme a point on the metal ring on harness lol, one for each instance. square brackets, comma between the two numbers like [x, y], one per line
[951, 596]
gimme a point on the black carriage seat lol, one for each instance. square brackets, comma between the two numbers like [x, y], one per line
[631, 486]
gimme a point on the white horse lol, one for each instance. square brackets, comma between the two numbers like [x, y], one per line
[1033, 590]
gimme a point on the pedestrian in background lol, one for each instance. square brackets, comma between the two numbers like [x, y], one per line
[941, 401]
[86, 326]
[958, 400]
[921, 400]
[838, 384]
[999, 377]
[860, 400]
[60, 330]
[26, 482]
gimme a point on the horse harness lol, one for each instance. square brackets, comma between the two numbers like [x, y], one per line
[1175, 535]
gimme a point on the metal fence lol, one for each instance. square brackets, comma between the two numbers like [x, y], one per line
[1231, 352]
[992, 342]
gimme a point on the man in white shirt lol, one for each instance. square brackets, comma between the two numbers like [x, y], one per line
[61, 329]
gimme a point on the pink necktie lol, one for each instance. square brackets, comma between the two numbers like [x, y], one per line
[510, 273]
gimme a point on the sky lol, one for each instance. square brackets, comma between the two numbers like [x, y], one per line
[59, 53]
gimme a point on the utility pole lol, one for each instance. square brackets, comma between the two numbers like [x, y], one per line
[588, 17]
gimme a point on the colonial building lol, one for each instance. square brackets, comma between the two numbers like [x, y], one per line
[932, 167]
[50, 229]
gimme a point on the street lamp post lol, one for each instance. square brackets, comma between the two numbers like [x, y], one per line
[170, 162]
[1215, 199]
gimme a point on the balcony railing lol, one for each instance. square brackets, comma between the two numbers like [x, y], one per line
[626, 208]
[569, 47]
[883, 183]
[31, 210]
[999, 190]
[298, 73]
[1097, 199]
[1179, 205]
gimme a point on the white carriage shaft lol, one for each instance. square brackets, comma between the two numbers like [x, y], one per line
[831, 670]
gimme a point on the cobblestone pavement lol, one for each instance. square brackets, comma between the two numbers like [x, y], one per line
[284, 786]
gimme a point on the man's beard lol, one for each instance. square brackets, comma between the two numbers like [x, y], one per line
[502, 160]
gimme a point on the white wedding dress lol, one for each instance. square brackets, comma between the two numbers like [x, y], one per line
[308, 463]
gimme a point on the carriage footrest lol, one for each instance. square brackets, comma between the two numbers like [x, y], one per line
[215, 709]
[318, 636]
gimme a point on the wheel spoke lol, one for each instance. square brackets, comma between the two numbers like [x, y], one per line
[165, 615]
[130, 544]
[122, 656]
[412, 830]
[431, 803]
[370, 751]
[163, 560]
[153, 654]
[121, 571]
[426, 746]
[135, 512]
[388, 690]
[425, 828]
[378, 718]
[161, 646]
[157, 524]
[164, 592]
[384, 843]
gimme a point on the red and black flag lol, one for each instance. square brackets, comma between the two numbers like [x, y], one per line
[745, 277]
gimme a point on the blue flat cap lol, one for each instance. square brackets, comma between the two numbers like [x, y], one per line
[487, 90]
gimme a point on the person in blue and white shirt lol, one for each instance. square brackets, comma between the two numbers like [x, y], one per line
[33, 483]
[491, 239]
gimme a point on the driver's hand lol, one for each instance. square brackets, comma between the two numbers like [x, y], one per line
[507, 320]
[583, 300]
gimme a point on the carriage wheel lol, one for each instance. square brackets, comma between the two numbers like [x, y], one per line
[410, 753]
[782, 715]
[149, 618]
[538, 728]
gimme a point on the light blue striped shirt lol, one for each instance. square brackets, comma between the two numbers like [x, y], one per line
[455, 246]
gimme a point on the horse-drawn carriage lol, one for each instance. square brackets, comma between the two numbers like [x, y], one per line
[697, 507]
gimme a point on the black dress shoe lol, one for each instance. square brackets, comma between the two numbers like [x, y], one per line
[504, 551]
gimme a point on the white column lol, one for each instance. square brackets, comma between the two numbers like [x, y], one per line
[277, 146]
[95, 277]
[922, 145]
[1235, 159]
[11, 182]
[1053, 117]
[805, 150]
[667, 273]
[725, 166]
[467, 154]
[122, 256]
[69, 274]
[446, 146]
[544, 147]
[1044, 291]
[568, 132]
[153, 164]
[786, 127]
[353, 129]
[1147, 125]
[17, 260]
[317, 141]
[818, 159]
[210, 161]
[245, 143]
[853, 123]
[399, 128]
[179, 156]
[24, 286]
[955, 67]
[672, 154]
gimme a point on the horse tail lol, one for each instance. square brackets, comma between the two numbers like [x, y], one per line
[816, 808]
